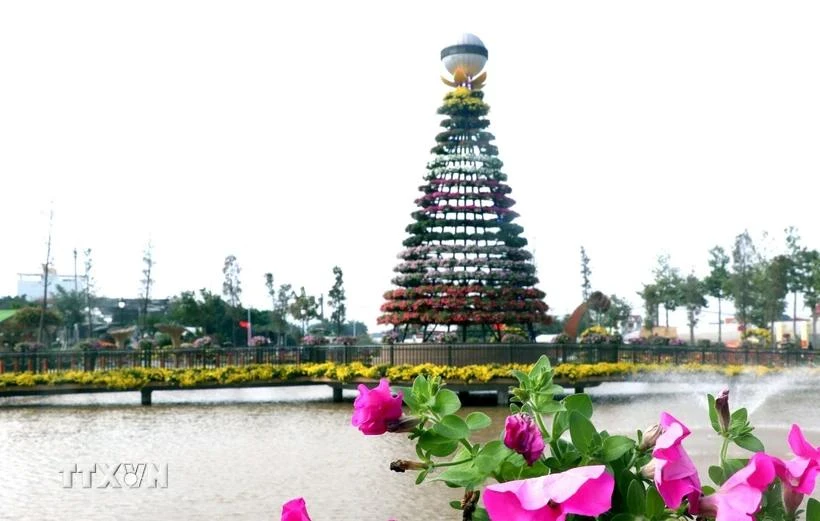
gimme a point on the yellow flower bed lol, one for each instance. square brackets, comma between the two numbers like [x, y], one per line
[136, 378]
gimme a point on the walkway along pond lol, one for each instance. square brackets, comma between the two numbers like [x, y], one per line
[146, 371]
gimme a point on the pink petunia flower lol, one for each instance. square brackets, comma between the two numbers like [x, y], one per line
[375, 408]
[738, 499]
[522, 435]
[586, 491]
[799, 474]
[674, 472]
[295, 510]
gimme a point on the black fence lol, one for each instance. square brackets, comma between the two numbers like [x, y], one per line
[439, 354]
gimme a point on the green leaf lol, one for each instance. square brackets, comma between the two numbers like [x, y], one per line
[544, 404]
[480, 514]
[522, 377]
[750, 443]
[491, 455]
[541, 366]
[579, 402]
[654, 503]
[636, 498]
[813, 510]
[713, 414]
[436, 444]
[623, 516]
[560, 424]
[411, 402]
[582, 432]
[421, 476]
[452, 427]
[738, 420]
[446, 402]
[731, 465]
[510, 470]
[717, 475]
[462, 476]
[421, 389]
[537, 469]
[615, 447]
[553, 389]
[456, 504]
[477, 421]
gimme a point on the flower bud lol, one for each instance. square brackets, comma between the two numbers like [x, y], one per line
[401, 465]
[791, 500]
[650, 436]
[403, 424]
[522, 435]
[648, 470]
[722, 406]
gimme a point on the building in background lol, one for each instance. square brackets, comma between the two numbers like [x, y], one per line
[30, 285]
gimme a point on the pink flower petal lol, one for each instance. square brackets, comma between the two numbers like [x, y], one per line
[295, 510]
[675, 480]
[801, 447]
[738, 499]
[584, 490]
[673, 434]
[374, 408]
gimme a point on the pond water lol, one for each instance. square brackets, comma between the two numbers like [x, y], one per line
[240, 453]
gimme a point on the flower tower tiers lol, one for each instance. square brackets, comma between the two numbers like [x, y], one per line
[464, 263]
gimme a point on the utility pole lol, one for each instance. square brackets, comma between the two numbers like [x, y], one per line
[46, 267]
[76, 288]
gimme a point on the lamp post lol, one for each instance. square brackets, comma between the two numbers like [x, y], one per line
[121, 305]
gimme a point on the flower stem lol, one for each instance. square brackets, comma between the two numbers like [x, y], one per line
[723, 450]
[435, 465]
[541, 425]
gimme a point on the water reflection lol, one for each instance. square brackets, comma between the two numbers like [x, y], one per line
[240, 453]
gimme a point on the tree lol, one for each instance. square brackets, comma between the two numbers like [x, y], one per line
[31, 321]
[811, 292]
[585, 273]
[46, 270]
[147, 281]
[70, 305]
[303, 308]
[617, 316]
[693, 293]
[89, 284]
[797, 270]
[717, 283]
[744, 258]
[651, 302]
[668, 283]
[337, 301]
[207, 312]
[232, 289]
[281, 310]
[13, 302]
[768, 290]
[271, 289]
[464, 264]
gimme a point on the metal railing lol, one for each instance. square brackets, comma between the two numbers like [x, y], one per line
[397, 354]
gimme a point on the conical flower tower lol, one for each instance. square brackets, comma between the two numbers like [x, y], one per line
[464, 265]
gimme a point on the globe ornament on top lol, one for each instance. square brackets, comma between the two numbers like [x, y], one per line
[464, 60]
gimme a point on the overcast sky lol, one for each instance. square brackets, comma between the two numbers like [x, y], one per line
[295, 135]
